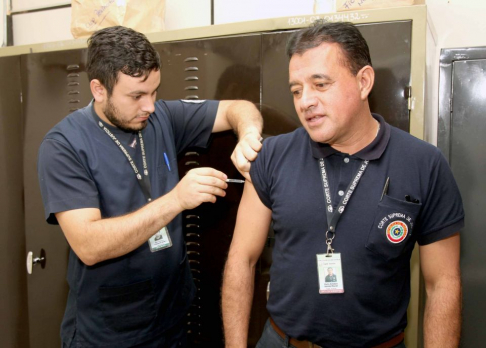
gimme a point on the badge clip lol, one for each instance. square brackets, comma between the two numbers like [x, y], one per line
[330, 250]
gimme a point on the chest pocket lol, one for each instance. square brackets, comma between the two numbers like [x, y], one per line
[391, 233]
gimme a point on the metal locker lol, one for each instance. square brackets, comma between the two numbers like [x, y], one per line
[462, 125]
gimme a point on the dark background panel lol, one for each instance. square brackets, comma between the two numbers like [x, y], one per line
[468, 127]
[222, 68]
[14, 328]
[390, 48]
[53, 85]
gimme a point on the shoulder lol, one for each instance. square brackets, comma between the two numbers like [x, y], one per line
[72, 127]
[403, 144]
[287, 142]
[280, 151]
[170, 107]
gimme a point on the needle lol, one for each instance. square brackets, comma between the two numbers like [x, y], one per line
[236, 181]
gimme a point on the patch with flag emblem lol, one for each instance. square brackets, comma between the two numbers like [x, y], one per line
[396, 231]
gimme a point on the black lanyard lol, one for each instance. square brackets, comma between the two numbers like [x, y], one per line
[144, 179]
[333, 216]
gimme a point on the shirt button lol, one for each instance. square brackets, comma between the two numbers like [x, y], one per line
[341, 193]
[346, 160]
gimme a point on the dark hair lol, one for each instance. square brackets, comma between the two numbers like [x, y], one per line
[352, 43]
[119, 49]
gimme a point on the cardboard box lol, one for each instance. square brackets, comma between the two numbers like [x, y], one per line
[87, 16]
[353, 5]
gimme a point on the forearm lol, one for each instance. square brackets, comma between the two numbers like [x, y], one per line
[108, 238]
[244, 118]
[237, 296]
[442, 317]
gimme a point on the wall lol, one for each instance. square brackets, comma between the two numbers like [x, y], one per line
[2, 24]
[451, 24]
[229, 11]
[54, 24]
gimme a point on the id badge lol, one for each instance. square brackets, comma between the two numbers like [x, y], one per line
[330, 273]
[160, 240]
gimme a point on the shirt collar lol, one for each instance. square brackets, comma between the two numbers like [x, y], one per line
[371, 152]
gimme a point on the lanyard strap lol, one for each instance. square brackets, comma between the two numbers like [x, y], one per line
[143, 180]
[333, 216]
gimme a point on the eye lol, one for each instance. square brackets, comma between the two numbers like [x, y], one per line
[137, 97]
[295, 92]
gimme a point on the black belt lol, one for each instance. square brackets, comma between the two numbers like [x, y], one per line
[306, 344]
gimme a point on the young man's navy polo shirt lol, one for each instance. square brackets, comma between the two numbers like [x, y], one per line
[125, 301]
[376, 268]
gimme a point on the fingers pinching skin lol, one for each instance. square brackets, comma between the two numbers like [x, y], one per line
[245, 152]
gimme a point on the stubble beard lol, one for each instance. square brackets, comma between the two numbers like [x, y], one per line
[111, 112]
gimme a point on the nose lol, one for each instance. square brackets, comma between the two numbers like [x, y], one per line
[148, 105]
[308, 99]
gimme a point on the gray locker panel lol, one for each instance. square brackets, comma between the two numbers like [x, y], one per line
[390, 49]
[14, 329]
[462, 125]
[53, 85]
[220, 68]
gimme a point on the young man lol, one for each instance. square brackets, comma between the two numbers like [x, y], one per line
[349, 192]
[108, 176]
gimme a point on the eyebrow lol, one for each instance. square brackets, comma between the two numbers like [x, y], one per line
[143, 92]
[313, 77]
[321, 76]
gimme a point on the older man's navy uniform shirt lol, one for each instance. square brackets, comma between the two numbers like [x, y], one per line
[375, 235]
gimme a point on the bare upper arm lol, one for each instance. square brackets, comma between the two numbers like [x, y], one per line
[252, 223]
[440, 260]
[74, 224]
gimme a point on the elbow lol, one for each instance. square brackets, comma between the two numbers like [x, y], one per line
[88, 257]
[239, 259]
[88, 260]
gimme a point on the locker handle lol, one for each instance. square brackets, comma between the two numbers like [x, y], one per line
[32, 261]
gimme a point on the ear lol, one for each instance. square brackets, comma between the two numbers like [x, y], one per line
[100, 94]
[366, 79]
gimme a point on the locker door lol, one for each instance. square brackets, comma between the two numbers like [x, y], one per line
[462, 125]
[53, 85]
[219, 68]
[14, 330]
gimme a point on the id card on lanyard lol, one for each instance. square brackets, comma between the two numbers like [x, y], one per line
[329, 265]
[161, 239]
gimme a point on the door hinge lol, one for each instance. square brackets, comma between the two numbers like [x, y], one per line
[408, 95]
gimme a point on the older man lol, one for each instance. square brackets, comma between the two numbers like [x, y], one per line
[349, 192]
